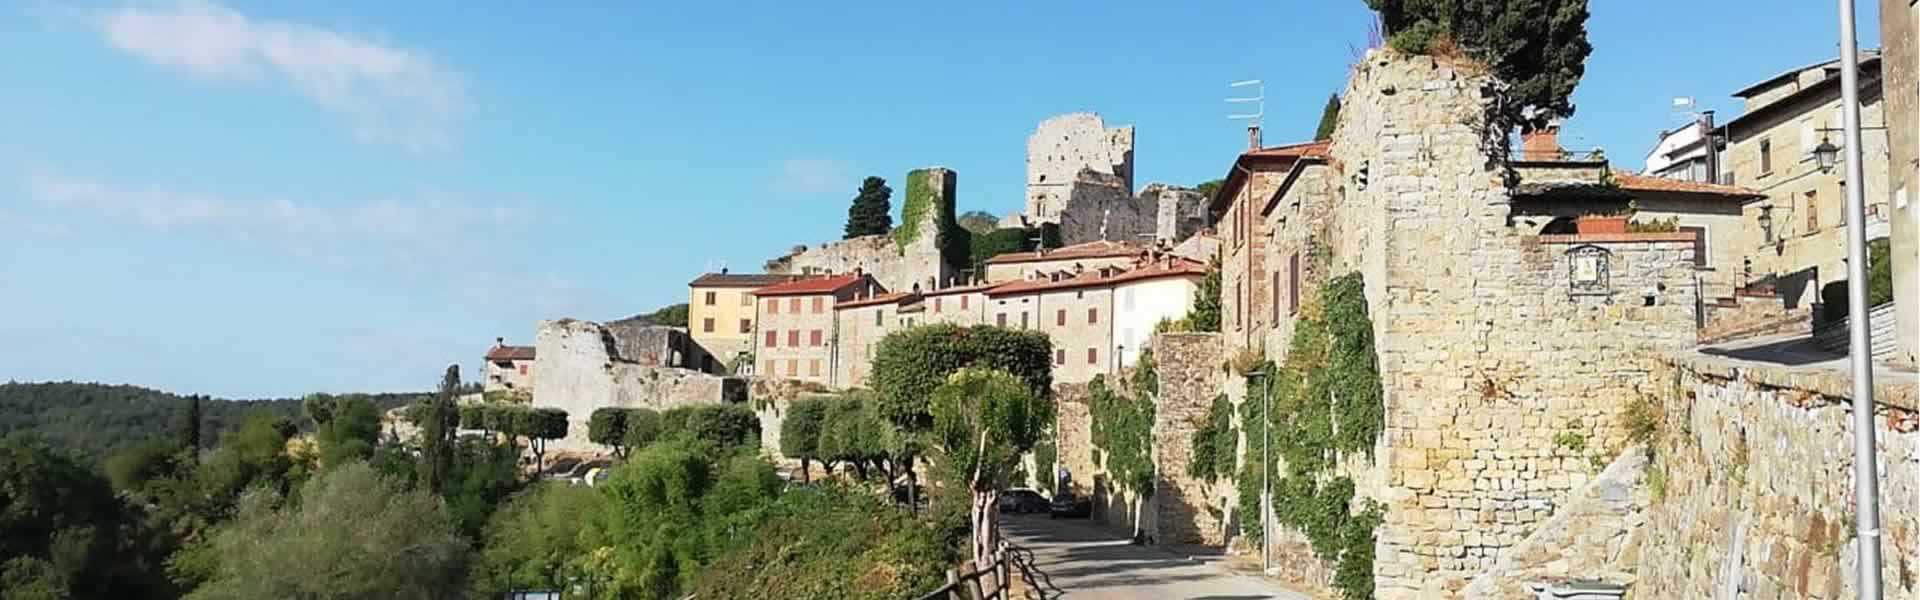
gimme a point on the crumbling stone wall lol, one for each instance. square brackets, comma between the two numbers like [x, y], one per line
[1064, 146]
[1597, 536]
[1099, 206]
[1179, 212]
[583, 370]
[1752, 481]
[895, 265]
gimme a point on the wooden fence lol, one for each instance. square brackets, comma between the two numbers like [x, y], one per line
[994, 581]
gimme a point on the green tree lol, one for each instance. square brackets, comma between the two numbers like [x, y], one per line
[979, 222]
[190, 424]
[909, 364]
[1329, 119]
[535, 540]
[346, 427]
[853, 432]
[803, 549]
[800, 432]
[540, 425]
[672, 315]
[63, 533]
[667, 511]
[607, 426]
[439, 421]
[1205, 314]
[983, 421]
[1122, 428]
[1209, 188]
[352, 535]
[1538, 47]
[872, 210]
[482, 477]
[643, 428]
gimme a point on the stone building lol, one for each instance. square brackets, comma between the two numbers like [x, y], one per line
[720, 310]
[1065, 146]
[509, 367]
[796, 324]
[1094, 314]
[859, 325]
[1016, 266]
[1899, 30]
[914, 253]
[586, 366]
[1798, 234]
[1493, 339]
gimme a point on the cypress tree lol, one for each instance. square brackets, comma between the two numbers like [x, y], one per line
[189, 433]
[872, 210]
[438, 422]
[1329, 118]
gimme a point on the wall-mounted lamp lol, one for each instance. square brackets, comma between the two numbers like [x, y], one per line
[1766, 223]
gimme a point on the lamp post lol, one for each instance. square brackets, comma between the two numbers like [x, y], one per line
[1865, 468]
[1266, 468]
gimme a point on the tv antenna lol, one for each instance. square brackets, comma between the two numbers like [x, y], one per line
[1685, 110]
[1258, 99]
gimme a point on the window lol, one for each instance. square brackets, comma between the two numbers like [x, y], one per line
[746, 299]
[773, 308]
[813, 338]
[1093, 316]
[879, 318]
[712, 297]
[793, 338]
[1239, 304]
[819, 304]
[1023, 320]
[1060, 319]
[793, 367]
[1813, 211]
[963, 303]
[813, 368]
[523, 369]
[1060, 357]
[706, 325]
[1273, 301]
[793, 305]
[773, 341]
[1293, 284]
[1766, 156]
[1093, 356]
[746, 326]
[1002, 320]
[936, 305]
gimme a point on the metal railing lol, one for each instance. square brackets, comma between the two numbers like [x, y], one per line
[1523, 155]
[970, 581]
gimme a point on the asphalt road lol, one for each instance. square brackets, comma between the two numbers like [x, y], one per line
[1083, 561]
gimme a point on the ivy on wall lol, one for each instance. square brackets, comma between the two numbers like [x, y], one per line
[1122, 429]
[955, 242]
[1214, 441]
[1325, 402]
[919, 200]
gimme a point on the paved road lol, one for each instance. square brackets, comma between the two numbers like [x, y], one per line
[1082, 561]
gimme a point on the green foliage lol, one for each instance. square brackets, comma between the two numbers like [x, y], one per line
[1571, 441]
[1329, 118]
[1046, 459]
[1214, 442]
[1123, 430]
[832, 543]
[800, 430]
[1209, 188]
[644, 427]
[983, 246]
[1642, 419]
[438, 421]
[534, 539]
[1833, 296]
[1205, 314]
[724, 426]
[872, 210]
[666, 513]
[672, 315]
[352, 535]
[483, 476]
[909, 364]
[192, 420]
[979, 222]
[919, 200]
[853, 431]
[63, 533]
[983, 421]
[607, 426]
[346, 427]
[97, 420]
[1326, 401]
[1667, 225]
[1538, 47]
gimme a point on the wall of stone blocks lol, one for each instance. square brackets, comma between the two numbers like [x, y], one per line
[579, 373]
[896, 267]
[1188, 365]
[1063, 146]
[1755, 471]
[1900, 44]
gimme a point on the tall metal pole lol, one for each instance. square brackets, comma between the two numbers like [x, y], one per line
[1266, 471]
[1866, 472]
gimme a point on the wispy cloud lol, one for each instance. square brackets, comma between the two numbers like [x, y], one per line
[434, 222]
[810, 175]
[388, 94]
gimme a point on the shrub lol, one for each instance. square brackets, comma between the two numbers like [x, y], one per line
[832, 543]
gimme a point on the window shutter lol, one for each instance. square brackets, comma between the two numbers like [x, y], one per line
[1293, 284]
[1699, 244]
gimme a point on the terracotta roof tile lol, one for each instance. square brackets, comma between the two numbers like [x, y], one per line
[816, 285]
[1284, 155]
[504, 353]
[1644, 183]
[752, 280]
[1179, 267]
[896, 297]
[1093, 249]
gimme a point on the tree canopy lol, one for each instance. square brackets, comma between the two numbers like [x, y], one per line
[1329, 118]
[979, 222]
[671, 315]
[97, 420]
[909, 364]
[1538, 47]
[872, 210]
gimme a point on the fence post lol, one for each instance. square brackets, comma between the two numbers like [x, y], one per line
[1006, 571]
[953, 583]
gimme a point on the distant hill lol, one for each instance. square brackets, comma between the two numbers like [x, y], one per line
[96, 419]
[672, 315]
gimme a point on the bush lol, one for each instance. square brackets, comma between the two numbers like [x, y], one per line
[832, 543]
[1833, 296]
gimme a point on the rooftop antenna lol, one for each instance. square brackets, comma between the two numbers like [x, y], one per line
[1685, 110]
[1258, 99]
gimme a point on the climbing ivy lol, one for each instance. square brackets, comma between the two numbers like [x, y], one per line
[1123, 431]
[1214, 441]
[1325, 402]
[919, 200]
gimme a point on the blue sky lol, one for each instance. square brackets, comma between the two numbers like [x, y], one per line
[272, 199]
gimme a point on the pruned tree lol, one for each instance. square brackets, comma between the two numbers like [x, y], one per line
[643, 428]
[872, 210]
[979, 222]
[1205, 314]
[539, 425]
[607, 426]
[800, 432]
[983, 421]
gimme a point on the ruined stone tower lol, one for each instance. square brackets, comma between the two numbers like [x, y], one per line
[921, 250]
[1065, 146]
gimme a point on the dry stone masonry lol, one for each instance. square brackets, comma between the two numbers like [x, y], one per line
[1065, 146]
[586, 365]
[896, 265]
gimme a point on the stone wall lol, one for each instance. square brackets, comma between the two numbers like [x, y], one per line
[1064, 146]
[581, 370]
[1099, 206]
[895, 265]
[1748, 315]
[638, 342]
[1179, 212]
[1596, 536]
[1901, 64]
[1188, 366]
[1752, 482]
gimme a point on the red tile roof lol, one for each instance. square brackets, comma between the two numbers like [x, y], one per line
[1644, 183]
[962, 289]
[1092, 278]
[1313, 148]
[1281, 155]
[896, 297]
[752, 280]
[817, 285]
[1093, 249]
[506, 353]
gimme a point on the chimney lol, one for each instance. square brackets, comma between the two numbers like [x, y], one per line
[1253, 137]
[723, 270]
[499, 342]
[1541, 144]
[1713, 148]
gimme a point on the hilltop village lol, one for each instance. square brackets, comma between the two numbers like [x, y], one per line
[1540, 364]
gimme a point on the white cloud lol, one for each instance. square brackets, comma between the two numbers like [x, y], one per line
[389, 95]
[435, 223]
[810, 175]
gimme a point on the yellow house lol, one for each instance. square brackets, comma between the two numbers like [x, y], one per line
[720, 311]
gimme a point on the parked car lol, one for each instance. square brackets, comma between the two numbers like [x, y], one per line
[1022, 501]
[1070, 506]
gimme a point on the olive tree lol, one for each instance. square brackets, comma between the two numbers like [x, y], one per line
[983, 421]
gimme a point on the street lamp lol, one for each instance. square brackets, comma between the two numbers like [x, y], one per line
[1266, 468]
[1866, 473]
[1826, 154]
